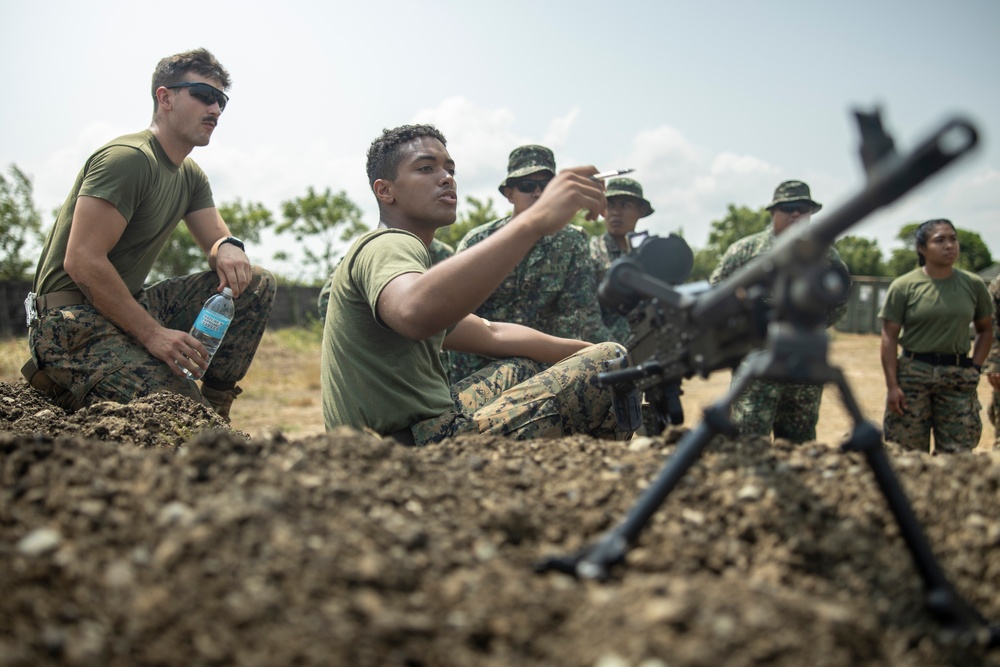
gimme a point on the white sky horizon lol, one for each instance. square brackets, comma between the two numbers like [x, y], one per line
[712, 103]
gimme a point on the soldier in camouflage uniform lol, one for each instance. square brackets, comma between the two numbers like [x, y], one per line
[932, 386]
[626, 206]
[96, 333]
[992, 366]
[547, 290]
[790, 410]
[391, 312]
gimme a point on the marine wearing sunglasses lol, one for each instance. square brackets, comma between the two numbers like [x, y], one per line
[204, 93]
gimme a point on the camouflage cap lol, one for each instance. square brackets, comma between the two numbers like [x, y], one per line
[791, 191]
[527, 160]
[627, 187]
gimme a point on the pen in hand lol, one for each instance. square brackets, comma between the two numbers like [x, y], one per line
[609, 174]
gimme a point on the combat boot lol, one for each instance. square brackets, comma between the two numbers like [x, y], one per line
[221, 399]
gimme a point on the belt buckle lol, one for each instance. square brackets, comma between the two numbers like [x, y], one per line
[30, 310]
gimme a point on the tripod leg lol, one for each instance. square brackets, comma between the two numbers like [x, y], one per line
[942, 600]
[595, 561]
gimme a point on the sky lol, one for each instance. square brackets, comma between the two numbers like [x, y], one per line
[711, 102]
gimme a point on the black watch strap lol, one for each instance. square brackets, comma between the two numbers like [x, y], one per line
[235, 241]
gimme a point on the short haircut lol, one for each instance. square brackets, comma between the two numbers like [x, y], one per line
[173, 69]
[923, 231]
[386, 150]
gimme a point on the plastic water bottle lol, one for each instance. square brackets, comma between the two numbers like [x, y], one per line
[212, 323]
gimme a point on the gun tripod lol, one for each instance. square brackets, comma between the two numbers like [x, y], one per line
[793, 354]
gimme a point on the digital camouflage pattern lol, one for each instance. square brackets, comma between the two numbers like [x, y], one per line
[992, 364]
[792, 191]
[552, 289]
[790, 405]
[628, 187]
[527, 160]
[604, 251]
[515, 398]
[939, 398]
[84, 352]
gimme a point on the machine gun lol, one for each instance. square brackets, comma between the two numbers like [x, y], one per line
[777, 302]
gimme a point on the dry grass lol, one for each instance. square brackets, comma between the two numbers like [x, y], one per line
[282, 389]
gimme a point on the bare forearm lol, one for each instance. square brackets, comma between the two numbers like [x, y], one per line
[888, 355]
[500, 340]
[981, 347]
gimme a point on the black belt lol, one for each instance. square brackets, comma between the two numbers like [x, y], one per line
[936, 359]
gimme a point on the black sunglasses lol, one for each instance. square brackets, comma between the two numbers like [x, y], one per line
[203, 92]
[795, 208]
[529, 186]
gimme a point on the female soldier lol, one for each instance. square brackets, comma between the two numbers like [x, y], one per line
[932, 385]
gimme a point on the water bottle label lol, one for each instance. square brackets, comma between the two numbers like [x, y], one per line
[212, 324]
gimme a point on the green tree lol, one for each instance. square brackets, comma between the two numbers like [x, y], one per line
[322, 224]
[181, 254]
[20, 223]
[479, 213]
[862, 256]
[974, 256]
[738, 223]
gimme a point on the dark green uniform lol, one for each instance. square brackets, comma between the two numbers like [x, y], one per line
[374, 378]
[83, 351]
[941, 395]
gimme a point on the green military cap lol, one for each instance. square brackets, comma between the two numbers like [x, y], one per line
[627, 187]
[527, 160]
[792, 191]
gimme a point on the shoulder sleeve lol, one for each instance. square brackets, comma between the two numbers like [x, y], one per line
[385, 257]
[894, 308]
[119, 175]
[201, 191]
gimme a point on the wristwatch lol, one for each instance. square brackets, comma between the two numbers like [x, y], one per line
[235, 241]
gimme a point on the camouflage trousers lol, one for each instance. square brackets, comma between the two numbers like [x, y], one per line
[84, 352]
[790, 410]
[518, 399]
[941, 399]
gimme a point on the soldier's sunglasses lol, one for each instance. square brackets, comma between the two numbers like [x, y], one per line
[204, 93]
[802, 208]
[529, 186]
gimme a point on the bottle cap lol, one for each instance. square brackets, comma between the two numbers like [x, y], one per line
[228, 292]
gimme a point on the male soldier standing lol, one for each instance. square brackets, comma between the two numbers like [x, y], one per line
[992, 366]
[548, 290]
[391, 312]
[791, 410]
[96, 332]
[626, 206]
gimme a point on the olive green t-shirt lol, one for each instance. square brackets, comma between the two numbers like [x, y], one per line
[152, 193]
[935, 313]
[370, 375]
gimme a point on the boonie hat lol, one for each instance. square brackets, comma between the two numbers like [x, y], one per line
[627, 187]
[792, 191]
[527, 160]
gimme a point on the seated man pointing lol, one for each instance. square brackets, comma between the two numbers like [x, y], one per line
[391, 312]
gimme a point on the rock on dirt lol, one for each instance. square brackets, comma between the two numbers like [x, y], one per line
[151, 534]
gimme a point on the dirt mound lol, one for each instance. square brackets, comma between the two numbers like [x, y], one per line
[148, 534]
